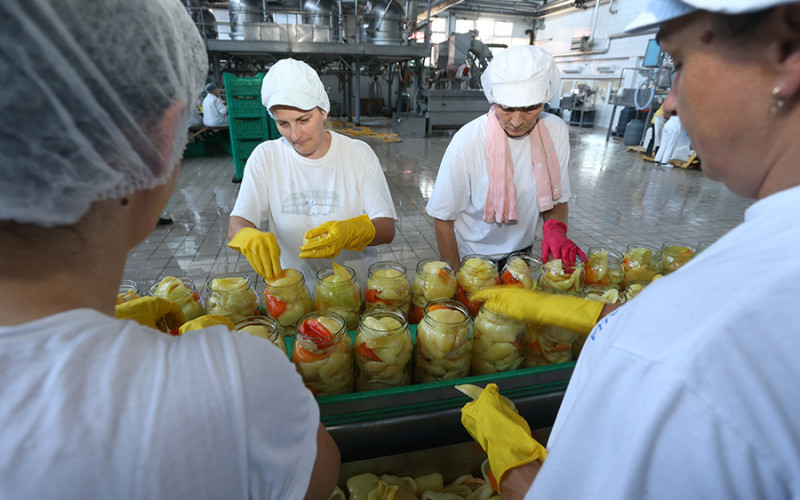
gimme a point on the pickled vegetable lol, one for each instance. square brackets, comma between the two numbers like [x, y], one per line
[434, 280]
[476, 273]
[287, 300]
[181, 292]
[496, 345]
[232, 297]
[128, 290]
[560, 278]
[323, 354]
[604, 267]
[265, 328]
[522, 270]
[675, 255]
[337, 291]
[547, 345]
[641, 263]
[384, 349]
[387, 284]
[443, 342]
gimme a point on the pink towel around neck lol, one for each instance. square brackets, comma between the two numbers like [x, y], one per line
[501, 199]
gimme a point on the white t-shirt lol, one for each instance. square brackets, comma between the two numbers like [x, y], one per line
[463, 181]
[690, 390]
[296, 194]
[215, 113]
[94, 407]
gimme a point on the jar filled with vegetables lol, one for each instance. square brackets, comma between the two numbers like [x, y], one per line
[561, 277]
[287, 300]
[444, 342]
[337, 291]
[181, 291]
[477, 272]
[496, 345]
[675, 254]
[641, 263]
[522, 269]
[323, 353]
[263, 327]
[383, 349]
[435, 279]
[128, 290]
[231, 295]
[387, 284]
[603, 267]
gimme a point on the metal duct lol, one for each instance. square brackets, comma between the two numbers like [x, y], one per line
[383, 20]
[245, 16]
[321, 13]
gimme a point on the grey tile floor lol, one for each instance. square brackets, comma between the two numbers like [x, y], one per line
[617, 198]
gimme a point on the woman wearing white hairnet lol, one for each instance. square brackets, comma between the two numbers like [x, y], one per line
[504, 170]
[690, 390]
[323, 195]
[91, 406]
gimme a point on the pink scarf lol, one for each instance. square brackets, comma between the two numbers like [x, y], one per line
[501, 199]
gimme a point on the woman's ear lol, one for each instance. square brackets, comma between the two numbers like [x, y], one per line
[787, 51]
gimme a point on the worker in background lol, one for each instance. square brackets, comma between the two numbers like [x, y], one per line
[505, 170]
[215, 111]
[670, 135]
[653, 135]
[92, 406]
[322, 195]
[690, 389]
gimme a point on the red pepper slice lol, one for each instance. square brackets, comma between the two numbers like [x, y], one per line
[509, 278]
[305, 356]
[372, 296]
[416, 315]
[274, 306]
[196, 296]
[473, 307]
[316, 332]
[366, 352]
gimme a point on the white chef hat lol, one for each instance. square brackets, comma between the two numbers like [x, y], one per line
[521, 76]
[661, 11]
[85, 88]
[290, 82]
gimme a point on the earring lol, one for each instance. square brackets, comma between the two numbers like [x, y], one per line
[777, 102]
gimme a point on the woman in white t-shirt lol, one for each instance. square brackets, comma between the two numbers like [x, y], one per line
[322, 194]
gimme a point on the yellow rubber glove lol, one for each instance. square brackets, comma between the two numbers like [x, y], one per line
[574, 313]
[204, 322]
[329, 238]
[261, 249]
[154, 312]
[504, 435]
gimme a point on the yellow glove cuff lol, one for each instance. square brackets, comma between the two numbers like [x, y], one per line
[501, 432]
[362, 235]
[577, 314]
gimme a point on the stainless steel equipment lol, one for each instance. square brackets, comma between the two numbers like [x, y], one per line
[453, 108]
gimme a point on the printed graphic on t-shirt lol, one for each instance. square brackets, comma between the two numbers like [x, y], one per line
[314, 203]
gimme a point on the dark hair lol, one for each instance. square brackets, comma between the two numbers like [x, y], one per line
[740, 27]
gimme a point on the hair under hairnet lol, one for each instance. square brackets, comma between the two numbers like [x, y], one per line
[86, 85]
[521, 76]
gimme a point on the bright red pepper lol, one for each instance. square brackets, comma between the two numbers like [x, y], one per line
[509, 278]
[315, 331]
[473, 307]
[366, 352]
[274, 306]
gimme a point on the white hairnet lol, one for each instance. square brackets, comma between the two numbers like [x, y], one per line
[290, 82]
[521, 76]
[661, 11]
[85, 87]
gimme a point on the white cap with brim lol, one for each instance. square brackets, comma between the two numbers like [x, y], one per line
[661, 11]
[521, 76]
[293, 83]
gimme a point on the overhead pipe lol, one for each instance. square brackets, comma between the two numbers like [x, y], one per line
[439, 7]
[595, 15]
[615, 36]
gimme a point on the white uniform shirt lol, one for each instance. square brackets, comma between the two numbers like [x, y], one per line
[215, 113]
[690, 390]
[462, 183]
[295, 194]
[94, 407]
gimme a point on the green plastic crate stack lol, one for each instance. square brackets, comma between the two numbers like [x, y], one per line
[248, 121]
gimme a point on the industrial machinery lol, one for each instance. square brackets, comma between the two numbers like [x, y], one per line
[581, 105]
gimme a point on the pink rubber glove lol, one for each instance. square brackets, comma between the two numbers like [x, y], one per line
[555, 240]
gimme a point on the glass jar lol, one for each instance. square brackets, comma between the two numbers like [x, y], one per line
[128, 290]
[477, 272]
[287, 300]
[603, 267]
[674, 255]
[444, 342]
[563, 278]
[496, 345]
[603, 293]
[261, 326]
[547, 345]
[522, 269]
[337, 291]
[323, 353]
[230, 295]
[435, 279]
[383, 349]
[387, 284]
[641, 263]
[180, 291]
[633, 289]
[702, 245]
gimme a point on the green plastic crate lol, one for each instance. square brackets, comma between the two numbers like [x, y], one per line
[248, 129]
[246, 106]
